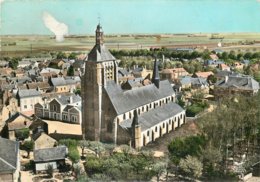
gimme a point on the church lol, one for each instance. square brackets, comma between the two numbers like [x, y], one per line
[112, 115]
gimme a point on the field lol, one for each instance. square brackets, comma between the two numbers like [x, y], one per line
[32, 45]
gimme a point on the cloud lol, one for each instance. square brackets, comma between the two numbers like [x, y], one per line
[58, 28]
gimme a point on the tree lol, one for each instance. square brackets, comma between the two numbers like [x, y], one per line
[191, 166]
[13, 63]
[70, 71]
[158, 169]
[50, 170]
[22, 133]
[61, 55]
[83, 144]
[74, 155]
[72, 55]
[97, 147]
[28, 147]
[181, 147]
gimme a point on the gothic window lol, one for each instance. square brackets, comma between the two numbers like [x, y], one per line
[130, 115]
[124, 117]
[156, 129]
[148, 133]
[163, 125]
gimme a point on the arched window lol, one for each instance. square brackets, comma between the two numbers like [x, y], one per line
[130, 115]
[148, 133]
[163, 125]
[124, 117]
[156, 129]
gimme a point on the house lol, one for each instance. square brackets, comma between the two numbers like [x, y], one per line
[213, 57]
[27, 98]
[142, 72]
[24, 63]
[9, 160]
[135, 117]
[224, 67]
[63, 108]
[213, 63]
[194, 83]
[236, 84]
[222, 74]
[124, 76]
[42, 140]
[54, 156]
[172, 74]
[49, 72]
[204, 74]
[61, 85]
[238, 65]
[56, 63]
[16, 123]
[79, 67]
[43, 87]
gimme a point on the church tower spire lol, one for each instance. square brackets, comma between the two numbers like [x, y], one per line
[156, 76]
[99, 35]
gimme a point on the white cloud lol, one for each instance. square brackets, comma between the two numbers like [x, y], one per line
[58, 28]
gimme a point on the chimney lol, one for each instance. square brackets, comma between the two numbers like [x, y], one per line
[71, 99]
[226, 79]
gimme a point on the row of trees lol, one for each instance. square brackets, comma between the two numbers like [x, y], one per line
[229, 134]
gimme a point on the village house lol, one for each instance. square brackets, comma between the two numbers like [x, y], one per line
[194, 84]
[135, 117]
[213, 63]
[42, 140]
[56, 63]
[236, 84]
[27, 98]
[63, 108]
[16, 123]
[61, 85]
[54, 156]
[9, 160]
[173, 74]
[204, 74]
[124, 76]
[142, 72]
[224, 67]
[238, 65]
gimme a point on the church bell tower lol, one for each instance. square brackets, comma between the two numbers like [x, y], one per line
[100, 68]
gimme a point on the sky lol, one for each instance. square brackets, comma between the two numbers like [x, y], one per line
[67, 17]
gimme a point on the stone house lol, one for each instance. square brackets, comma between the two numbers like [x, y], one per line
[173, 74]
[61, 85]
[204, 74]
[9, 160]
[236, 85]
[64, 108]
[27, 98]
[42, 140]
[54, 156]
[17, 122]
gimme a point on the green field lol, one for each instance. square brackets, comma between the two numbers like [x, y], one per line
[31, 45]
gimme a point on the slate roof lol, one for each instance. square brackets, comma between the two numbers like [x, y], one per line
[28, 93]
[124, 101]
[65, 99]
[154, 116]
[8, 155]
[50, 154]
[100, 53]
[240, 82]
[123, 72]
[193, 81]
